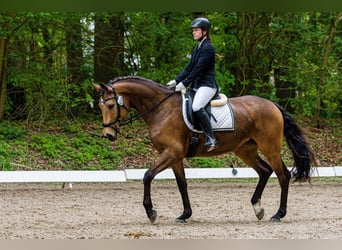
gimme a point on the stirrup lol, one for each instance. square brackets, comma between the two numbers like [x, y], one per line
[211, 144]
[211, 148]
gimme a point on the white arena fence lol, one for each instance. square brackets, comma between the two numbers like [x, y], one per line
[137, 174]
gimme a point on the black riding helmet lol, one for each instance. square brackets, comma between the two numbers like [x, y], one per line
[201, 22]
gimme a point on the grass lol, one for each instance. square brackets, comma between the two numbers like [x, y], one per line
[79, 145]
[54, 147]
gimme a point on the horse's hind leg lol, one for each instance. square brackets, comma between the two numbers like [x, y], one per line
[178, 170]
[284, 177]
[272, 155]
[249, 154]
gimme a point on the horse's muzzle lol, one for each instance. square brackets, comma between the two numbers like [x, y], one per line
[111, 137]
[110, 133]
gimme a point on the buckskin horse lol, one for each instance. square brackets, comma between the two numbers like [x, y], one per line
[260, 125]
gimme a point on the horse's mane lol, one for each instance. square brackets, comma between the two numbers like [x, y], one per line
[137, 79]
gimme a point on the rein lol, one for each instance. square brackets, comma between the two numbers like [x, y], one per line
[133, 118]
[138, 116]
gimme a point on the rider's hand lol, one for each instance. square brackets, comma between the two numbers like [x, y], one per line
[180, 86]
[171, 83]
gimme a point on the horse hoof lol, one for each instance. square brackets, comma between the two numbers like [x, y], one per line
[275, 219]
[260, 214]
[180, 221]
[153, 216]
[258, 210]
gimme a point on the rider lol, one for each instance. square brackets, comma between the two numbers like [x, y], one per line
[200, 72]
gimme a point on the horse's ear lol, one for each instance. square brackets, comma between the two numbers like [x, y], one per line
[100, 87]
[104, 87]
[97, 87]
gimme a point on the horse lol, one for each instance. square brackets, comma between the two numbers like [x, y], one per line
[259, 126]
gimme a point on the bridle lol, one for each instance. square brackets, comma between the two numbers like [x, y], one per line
[119, 103]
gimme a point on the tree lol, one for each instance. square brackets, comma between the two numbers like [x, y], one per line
[48, 59]
[246, 52]
[157, 44]
[313, 66]
[9, 24]
[109, 46]
[4, 41]
[74, 50]
[324, 69]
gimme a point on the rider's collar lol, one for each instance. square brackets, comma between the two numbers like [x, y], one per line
[200, 42]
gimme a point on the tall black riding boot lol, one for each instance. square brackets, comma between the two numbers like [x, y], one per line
[204, 121]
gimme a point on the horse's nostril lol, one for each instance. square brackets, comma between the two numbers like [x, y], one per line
[111, 137]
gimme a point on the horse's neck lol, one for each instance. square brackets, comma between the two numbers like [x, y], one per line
[141, 96]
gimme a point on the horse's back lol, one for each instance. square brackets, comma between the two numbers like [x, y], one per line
[249, 99]
[252, 104]
[261, 113]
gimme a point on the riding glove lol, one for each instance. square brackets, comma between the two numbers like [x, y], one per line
[171, 83]
[180, 86]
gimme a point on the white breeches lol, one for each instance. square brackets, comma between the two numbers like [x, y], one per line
[202, 97]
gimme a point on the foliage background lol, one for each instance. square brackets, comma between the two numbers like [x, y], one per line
[49, 60]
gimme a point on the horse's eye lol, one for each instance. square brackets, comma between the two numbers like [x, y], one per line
[110, 106]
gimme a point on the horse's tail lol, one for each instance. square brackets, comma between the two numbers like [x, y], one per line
[299, 146]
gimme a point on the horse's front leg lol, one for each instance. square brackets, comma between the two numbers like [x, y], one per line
[147, 202]
[178, 170]
[163, 162]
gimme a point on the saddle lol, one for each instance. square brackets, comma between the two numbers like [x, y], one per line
[220, 113]
[219, 110]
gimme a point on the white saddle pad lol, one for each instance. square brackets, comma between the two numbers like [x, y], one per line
[224, 116]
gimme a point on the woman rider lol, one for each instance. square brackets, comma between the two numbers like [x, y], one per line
[200, 73]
